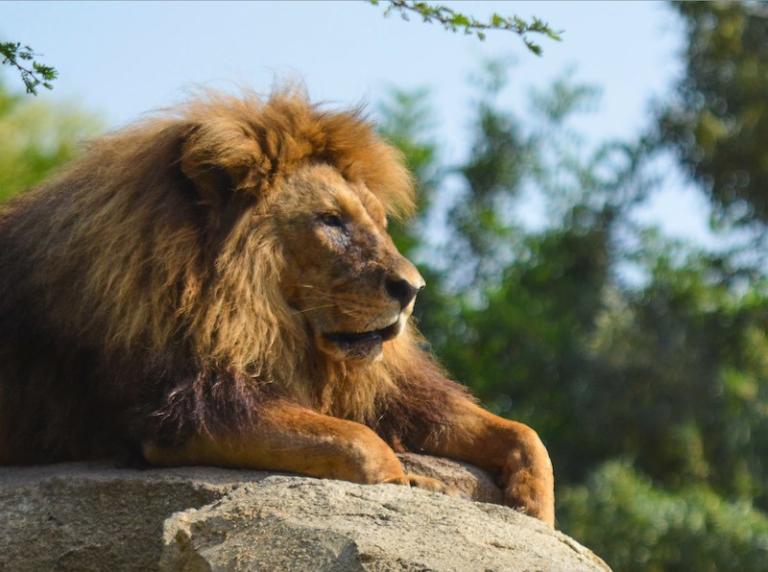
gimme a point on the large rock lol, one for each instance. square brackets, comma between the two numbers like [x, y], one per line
[94, 517]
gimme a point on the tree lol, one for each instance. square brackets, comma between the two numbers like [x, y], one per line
[638, 527]
[718, 121]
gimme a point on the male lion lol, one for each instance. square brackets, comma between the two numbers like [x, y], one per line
[217, 286]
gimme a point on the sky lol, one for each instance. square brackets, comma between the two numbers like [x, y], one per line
[123, 59]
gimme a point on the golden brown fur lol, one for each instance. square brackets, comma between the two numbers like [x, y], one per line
[223, 275]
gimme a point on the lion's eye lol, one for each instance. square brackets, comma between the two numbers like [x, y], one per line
[332, 219]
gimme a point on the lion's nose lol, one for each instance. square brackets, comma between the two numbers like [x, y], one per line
[402, 290]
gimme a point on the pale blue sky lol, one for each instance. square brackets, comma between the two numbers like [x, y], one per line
[122, 59]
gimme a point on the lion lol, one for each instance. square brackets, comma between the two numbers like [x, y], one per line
[215, 285]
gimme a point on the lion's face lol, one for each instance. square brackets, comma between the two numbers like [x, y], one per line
[344, 274]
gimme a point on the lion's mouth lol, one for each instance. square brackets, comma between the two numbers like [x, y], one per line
[363, 342]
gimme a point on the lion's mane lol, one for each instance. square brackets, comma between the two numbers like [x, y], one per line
[135, 305]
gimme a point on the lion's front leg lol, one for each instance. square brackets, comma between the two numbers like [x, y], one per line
[291, 438]
[511, 450]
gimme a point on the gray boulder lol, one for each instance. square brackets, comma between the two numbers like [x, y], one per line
[94, 517]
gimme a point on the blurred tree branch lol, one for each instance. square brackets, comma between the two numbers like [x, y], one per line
[33, 73]
[455, 21]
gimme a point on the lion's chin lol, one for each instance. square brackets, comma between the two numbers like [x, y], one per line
[359, 346]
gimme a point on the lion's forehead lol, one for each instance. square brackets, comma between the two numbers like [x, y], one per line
[323, 187]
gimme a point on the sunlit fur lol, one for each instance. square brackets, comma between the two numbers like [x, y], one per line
[143, 293]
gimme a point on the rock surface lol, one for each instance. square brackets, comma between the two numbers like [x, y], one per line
[94, 517]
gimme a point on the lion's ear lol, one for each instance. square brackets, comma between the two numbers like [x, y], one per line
[220, 156]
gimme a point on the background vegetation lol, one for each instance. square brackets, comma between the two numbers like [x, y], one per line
[642, 361]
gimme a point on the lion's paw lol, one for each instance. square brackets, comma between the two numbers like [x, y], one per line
[529, 491]
[431, 484]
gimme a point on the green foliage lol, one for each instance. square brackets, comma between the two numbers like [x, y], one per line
[638, 526]
[33, 73]
[681, 367]
[663, 377]
[455, 21]
[35, 138]
[718, 123]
